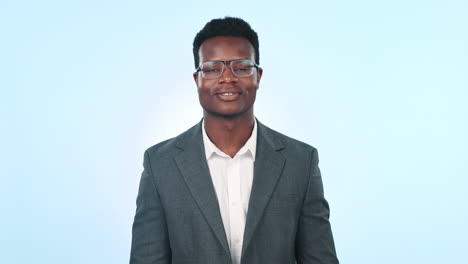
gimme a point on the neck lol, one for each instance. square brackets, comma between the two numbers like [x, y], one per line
[229, 134]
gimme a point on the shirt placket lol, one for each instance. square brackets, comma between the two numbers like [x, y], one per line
[235, 209]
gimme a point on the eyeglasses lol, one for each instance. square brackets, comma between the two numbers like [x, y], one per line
[214, 69]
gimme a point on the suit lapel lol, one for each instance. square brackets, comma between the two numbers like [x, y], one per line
[194, 168]
[267, 170]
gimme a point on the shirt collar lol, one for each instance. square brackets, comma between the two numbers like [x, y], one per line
[249, 147]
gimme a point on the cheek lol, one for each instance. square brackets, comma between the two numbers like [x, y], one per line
[204, 93]
[204, 86]
[201, 84]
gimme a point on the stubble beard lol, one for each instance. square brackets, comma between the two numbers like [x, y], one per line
[230, 115]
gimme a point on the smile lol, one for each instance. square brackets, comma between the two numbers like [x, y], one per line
[229, 96]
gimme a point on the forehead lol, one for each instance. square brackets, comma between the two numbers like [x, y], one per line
[226, 48]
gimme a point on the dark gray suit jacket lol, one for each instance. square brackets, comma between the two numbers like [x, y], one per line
[178, 218]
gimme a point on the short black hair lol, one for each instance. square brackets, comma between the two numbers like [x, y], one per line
[225, 27]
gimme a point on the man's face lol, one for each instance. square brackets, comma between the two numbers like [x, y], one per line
[227, 95]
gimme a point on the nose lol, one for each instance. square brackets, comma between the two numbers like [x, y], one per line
[227, 75]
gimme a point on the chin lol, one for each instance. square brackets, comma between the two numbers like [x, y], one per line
[226, 113]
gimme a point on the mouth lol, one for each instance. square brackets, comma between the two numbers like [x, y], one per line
[228, 96]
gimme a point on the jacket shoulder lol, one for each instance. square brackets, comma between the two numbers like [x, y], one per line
[289, 143]
[169, 147]
[162, 148]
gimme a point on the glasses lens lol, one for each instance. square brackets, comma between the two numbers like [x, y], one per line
[212, 69]
[242, 68]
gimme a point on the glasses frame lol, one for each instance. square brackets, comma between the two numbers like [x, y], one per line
[255, 65]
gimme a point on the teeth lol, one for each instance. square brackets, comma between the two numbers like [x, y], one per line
[226, 94]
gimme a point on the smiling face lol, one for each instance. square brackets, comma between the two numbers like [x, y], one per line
[228, 95]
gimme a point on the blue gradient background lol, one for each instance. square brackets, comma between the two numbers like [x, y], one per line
[380, 88]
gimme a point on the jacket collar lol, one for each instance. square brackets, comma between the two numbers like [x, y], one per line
[195, 135]
[193, 166]
[249, 147]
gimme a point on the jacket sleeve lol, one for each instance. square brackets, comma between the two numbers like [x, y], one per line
[314, 239]
[150, 242]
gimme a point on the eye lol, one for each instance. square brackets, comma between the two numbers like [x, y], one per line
[245, 69]
[211, 70]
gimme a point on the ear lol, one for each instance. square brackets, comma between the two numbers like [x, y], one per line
[195, 78]
[259, 76]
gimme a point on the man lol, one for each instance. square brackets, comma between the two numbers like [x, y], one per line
[230, 190]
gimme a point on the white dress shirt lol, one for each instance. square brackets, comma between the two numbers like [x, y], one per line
[232, 179]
